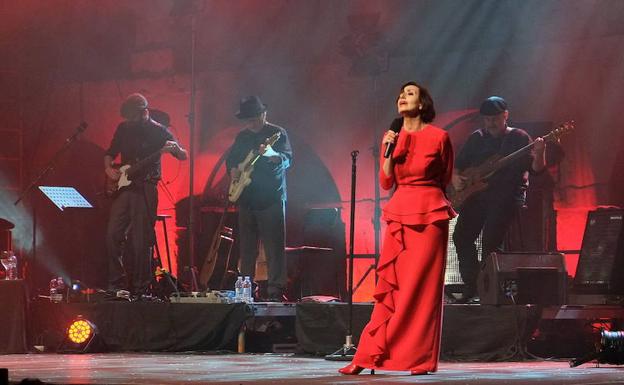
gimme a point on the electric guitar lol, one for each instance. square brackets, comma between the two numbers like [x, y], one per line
[128, 172]
[245, 168]
[477, 176]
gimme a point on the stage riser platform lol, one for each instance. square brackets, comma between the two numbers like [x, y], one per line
[469, 333]
[142, 326]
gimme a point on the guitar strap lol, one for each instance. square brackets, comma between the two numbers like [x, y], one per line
[506, 139]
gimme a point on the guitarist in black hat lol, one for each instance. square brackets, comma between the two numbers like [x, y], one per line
[261, 205]
[493, 209]
[140, 141]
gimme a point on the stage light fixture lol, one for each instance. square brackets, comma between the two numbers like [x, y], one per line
[80, 331]
[610, 350]
[76, 285]
[79, 337]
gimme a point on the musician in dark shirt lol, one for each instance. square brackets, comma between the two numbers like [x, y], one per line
[140, 141]
[261, 206]
[493, 209]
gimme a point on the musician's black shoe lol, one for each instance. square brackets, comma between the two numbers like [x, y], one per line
[260, 291]
[469, 295]
[474, 300]
[450, 300]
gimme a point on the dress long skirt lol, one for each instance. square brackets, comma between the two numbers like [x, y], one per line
[405, 327]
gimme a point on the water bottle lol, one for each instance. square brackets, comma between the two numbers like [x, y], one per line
[9, 261]
[238, 290]
[56, 292]
[12, 270]
[247, 291]
[60, 285]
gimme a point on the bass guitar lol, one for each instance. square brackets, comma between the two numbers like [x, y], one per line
[245, 168]
[476, 178]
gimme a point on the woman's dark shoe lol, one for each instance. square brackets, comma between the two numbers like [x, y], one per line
[353, 369]
[418, 372]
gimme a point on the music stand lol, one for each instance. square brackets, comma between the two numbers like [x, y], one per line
[65, 197]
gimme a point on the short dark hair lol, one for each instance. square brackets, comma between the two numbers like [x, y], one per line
[427, 113]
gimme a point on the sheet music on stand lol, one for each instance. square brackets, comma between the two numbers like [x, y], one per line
[65, 197]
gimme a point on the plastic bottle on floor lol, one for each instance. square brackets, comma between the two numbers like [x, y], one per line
[247, 290]
[238, 290]
[9, 261]
[56, 292]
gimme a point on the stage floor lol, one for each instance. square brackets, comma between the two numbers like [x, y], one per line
[169, 369]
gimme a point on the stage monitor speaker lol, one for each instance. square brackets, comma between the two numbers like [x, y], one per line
[601, 262]
[521, 278]
[318, 267]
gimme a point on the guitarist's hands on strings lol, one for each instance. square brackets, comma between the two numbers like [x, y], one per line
[264, 150]
[269, 152]
[112, 173]
[173, 148]
[540, 145]
[458, 181]
[539, 155]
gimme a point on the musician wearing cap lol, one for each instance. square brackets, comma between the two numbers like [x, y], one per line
[139, 141]
[259, 190]
[492, 209]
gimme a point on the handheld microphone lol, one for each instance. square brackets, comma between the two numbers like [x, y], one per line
[395, 126]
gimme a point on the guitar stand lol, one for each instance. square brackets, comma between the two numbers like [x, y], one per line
[166, 274]
[157, 288]
[163, 219]
[229, 238]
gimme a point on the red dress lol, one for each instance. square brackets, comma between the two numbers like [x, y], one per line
[405, 327]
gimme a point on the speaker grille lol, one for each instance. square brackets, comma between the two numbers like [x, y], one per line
[452, 276]
[601, 252]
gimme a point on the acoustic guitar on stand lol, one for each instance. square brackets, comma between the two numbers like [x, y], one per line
[477, 176]
[245, 168]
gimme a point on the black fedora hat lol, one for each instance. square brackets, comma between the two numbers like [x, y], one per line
[250, 107]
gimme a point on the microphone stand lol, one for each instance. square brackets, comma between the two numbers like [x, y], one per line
[347, 351]
[44, 171]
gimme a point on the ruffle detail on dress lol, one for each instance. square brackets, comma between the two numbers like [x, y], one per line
[441, 214]
[386, 283]
[419, 205]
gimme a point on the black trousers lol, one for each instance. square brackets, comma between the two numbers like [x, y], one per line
[485, 213]
[130, 237]
[265, 225]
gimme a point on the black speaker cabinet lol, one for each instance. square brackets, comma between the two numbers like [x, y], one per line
[601, 262]
[521, 278]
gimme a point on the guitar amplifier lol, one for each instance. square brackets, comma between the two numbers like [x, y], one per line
[522, 278]
[601, 262]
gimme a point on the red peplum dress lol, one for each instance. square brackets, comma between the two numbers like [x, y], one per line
[405, 327]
